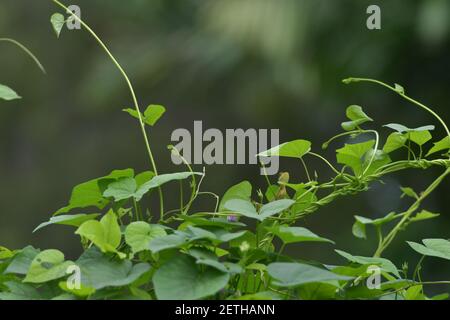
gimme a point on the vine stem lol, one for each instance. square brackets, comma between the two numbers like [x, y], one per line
[403, 95]
[27, 51]
[130, 86]
[390, 237]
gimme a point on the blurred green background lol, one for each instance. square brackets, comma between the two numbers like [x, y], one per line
[231, 64]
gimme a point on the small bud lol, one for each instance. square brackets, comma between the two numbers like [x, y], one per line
[244, 247]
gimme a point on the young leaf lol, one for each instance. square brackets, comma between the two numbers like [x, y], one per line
[182, 279]
[139, 234]
[291, 274]
[292, 149]
[352, 155]
[6, 93]
[242, 190]
[105, 234]
[409, 192]
[150, 116]
[357, 116]
[46, 266]
[69, 220]
[399, 88]
[57, 20]
[295, 234]
[439, 248]
[424, 215]
[441, 145]
[394, 141]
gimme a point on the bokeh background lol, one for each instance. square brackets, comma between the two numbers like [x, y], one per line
[231, 64]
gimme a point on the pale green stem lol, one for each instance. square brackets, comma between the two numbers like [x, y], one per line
[130, 86]
[27, 51]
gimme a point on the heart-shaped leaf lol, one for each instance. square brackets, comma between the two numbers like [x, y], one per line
[357, 117]
[441, 145]
[182, 279]
[295, 234]
[139, 234]
[46, 266]
[57, 20]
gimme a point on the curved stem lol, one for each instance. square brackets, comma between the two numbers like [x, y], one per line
[326, 161]
[377, 141]
[130, 86]
[403, 95]
[27, 51]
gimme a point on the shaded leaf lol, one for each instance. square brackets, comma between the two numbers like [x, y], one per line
[57, 20]
[182, 279]
[439, 248]
[296, 234]
[69, 220]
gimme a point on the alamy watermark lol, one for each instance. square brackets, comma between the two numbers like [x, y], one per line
[235, 146]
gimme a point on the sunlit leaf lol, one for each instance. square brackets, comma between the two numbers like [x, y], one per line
[439, 248]
[57, 20]
[139, 234]
[292, 149]
[352, 155]
[242, 190]
[6, 93]
[46, 266]
[357, 116]
[69, 220]
[394, 141]
[441, 145]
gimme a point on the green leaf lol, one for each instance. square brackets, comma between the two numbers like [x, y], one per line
[399, 88]
[89, 194]
[359, 227]
[139, 234]
[151, 115]
[46, 266]
[295, 234]
[291, 274]
[385, 264]
[292, 149]
[443, 144]
[243, 207]
[379, 160]
[439, 248]
[275, 207]
[420, 137]
[409, 192]
[100, 271]
[8, 94]
[247, 209]
[170, 241]
[242, 190]
[359, 230]
[182, 279]
[124, 188]
[159, 180]
[69, 220]
[401, 128]
[394, 141]
[105, 234]
[22, 261]
[424, 215]
[352, 155]
[357, 116]
[20, 291]
[57, 20]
